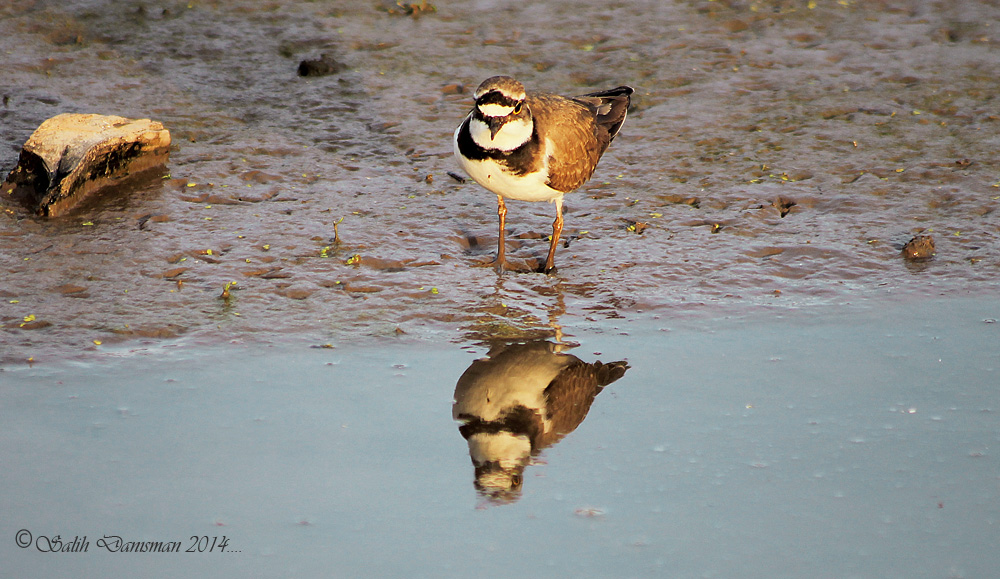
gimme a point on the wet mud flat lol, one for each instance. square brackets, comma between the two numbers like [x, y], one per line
[778, 155]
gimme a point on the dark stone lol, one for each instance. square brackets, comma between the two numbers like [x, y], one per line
[321, 66]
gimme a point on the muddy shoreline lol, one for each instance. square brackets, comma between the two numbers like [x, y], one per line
[778, 155]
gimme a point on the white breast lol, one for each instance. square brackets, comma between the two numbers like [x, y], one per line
[491, 396]
[518, 377]
[494, 177]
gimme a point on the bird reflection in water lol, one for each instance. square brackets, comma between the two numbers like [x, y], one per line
[518, 400]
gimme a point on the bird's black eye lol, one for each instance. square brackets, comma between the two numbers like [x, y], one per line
[515, 481]
[517, 109]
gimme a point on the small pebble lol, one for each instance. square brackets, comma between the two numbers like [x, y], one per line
[920, 247]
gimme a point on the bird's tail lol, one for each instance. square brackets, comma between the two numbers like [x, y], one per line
[611, 107]
[608, 373]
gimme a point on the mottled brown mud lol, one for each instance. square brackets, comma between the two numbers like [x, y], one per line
[778, 154]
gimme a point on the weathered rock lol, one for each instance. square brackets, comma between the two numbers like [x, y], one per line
[71, 156]
[919, 248]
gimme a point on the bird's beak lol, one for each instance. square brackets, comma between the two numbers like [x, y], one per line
[495, 123]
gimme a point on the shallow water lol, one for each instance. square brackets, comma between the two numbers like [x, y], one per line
[839, 442]
[865, 123]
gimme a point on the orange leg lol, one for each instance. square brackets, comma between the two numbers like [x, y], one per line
[557, 226]
[502, 213]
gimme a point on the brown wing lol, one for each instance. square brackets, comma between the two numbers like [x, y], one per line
[572, 129]
[581, 129]
[569, 396]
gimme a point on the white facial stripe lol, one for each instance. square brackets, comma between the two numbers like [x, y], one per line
[495, 110]
[519, 95]
[511, 136]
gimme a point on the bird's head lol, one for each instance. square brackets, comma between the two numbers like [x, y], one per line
[499, 459]
[501, 119]
[499, 483]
